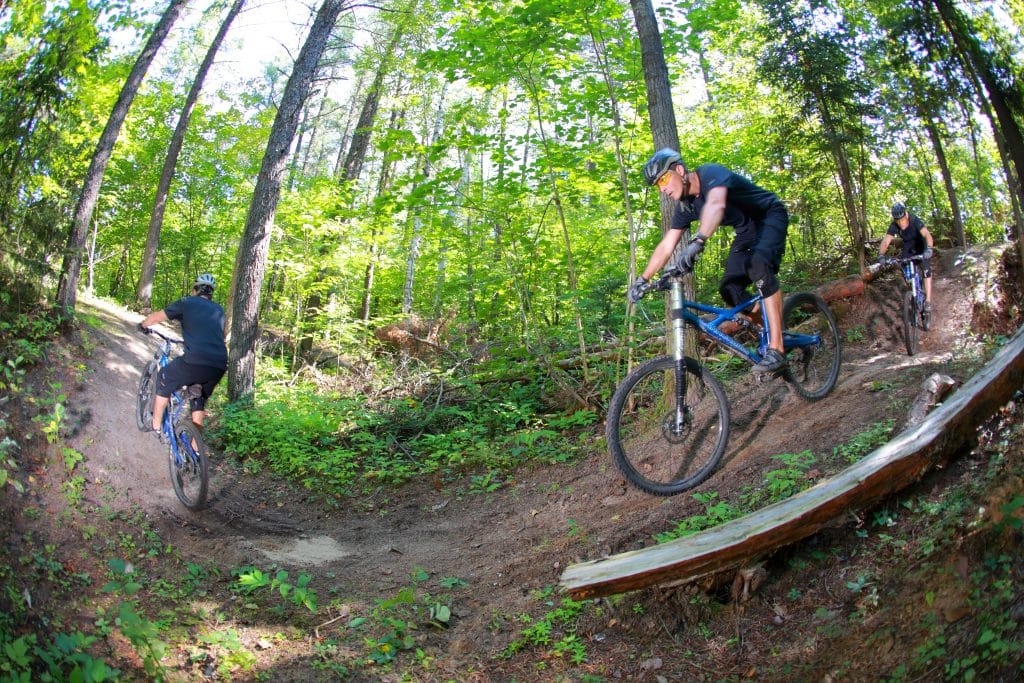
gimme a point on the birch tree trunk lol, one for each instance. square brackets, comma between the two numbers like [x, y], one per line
[251, 261]
[67, 287]
[417, 220]
[144, 290]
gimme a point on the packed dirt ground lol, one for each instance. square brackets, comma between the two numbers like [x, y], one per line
[507, 547]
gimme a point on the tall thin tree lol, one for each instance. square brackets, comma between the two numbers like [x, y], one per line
[144, 290]
[251, 261]
[67, 288]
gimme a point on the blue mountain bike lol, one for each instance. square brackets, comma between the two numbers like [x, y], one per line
[186, 450]
[915, 314]
[668, 420]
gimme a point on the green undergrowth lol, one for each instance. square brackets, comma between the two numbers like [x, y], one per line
[778, 484]
[343, 444]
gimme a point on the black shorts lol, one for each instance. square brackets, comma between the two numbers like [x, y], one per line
[178, 374]
[768, 245]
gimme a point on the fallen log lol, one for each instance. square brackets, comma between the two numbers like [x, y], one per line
[934, 389]
[889, 468]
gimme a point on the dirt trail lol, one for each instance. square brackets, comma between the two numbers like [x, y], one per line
[505, 543]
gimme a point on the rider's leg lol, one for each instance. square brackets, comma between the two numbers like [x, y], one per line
[928, 289]
[763, 268]
[773, 307]
[734, 283]
[159, 406]
[762, 272]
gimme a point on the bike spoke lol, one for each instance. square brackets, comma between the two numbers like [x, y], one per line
[655, 450]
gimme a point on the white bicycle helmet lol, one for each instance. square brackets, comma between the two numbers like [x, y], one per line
[205, 280]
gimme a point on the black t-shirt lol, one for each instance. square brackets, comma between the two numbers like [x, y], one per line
[202, 326]
[746, 204]
[914, 242]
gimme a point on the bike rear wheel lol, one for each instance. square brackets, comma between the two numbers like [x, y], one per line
[812, 370]
[144, 397]
[910, 322]
[647, 447]
[190, 477]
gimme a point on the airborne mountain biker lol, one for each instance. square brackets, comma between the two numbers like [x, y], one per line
[206, 356]
[917, 241]
[714, 196]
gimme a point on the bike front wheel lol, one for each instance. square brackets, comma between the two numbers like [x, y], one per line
[926, 317]
[910, 322]
[661, 449]
[144, 397]
[190, 469]
[813, 369]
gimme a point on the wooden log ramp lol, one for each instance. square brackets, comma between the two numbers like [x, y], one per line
[743, 541]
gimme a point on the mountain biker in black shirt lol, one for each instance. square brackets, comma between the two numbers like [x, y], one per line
[206, 356]
[917, 241]
[713, 195]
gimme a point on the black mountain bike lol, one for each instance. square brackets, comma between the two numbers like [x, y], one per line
[668, 421]
[186, 450]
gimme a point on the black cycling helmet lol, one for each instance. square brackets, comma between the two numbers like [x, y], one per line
[661, 161]
[899, 210]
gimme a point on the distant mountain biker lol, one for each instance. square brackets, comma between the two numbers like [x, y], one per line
[714, 196]
[917, 241]
[206, 356]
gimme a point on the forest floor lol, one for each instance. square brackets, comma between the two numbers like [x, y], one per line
[856, 602]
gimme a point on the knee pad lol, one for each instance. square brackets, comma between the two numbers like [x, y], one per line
[762, 273]
[926, 267]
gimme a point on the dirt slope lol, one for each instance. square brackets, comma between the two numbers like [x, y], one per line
[513, 541]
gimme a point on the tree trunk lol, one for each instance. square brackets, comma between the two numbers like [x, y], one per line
[958, 26]
[67, 287]
[387, 167]
[947, 178]
[251, 261]
[353, 165]
[1007, 132]
[417, 219]
[664, 133]
[144, 291]
[858, 230]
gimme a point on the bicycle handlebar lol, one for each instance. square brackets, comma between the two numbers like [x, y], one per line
[663, 282]
[153, 330]
[893, 260]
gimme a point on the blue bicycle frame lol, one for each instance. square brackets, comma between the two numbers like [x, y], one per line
[688, 312]
[174, 407]
[912, 276]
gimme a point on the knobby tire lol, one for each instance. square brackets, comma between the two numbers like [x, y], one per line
[813, 371]
[191, 479]
[910, 314]
[144, 397]
[644, 449]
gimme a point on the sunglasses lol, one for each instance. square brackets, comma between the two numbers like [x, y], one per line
[664, 180]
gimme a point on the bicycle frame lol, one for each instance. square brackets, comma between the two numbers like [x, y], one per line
[685, 312]
[912, 276]
[175, 405]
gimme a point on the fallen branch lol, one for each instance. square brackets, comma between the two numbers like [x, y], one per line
[934, 389]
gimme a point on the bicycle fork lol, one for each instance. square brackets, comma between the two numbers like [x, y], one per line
[677, 338]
